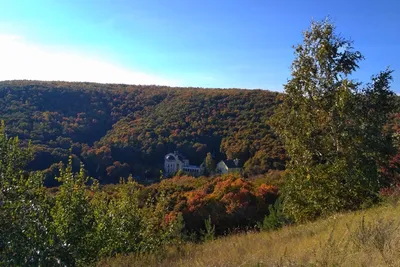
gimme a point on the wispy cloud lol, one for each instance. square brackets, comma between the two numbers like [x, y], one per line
[21, 59]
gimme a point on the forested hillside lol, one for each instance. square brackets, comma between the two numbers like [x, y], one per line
[341, 153]
[118, 130]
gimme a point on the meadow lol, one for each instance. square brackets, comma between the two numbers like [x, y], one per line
[364, 238]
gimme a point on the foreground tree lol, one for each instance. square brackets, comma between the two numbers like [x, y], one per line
[25, 230]
[74, 226]
[332, 127]
[73, 218]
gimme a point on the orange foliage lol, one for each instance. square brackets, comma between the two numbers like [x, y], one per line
[263, 190]
[195, 199]
[230, 200]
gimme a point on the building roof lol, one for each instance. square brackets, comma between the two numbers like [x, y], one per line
[192, 166]
[170, 157]
[231, 163]
[180, 156]
[175, 155]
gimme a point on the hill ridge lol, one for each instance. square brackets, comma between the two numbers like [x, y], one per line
[117, 130]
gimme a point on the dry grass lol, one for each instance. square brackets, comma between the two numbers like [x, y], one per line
[365, 238]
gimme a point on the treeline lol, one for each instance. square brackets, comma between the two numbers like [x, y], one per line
[77, 225]
[118, 130]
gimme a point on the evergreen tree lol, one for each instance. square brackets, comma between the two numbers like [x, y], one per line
[331, 127]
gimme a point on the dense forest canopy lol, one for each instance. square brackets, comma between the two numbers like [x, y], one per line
[118, 130]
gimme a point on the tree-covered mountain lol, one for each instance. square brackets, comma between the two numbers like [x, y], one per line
[117, 130]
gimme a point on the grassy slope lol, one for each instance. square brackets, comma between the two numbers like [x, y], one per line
[364, 238]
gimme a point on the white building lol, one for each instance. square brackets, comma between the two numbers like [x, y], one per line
[174, 162]
[229, 166]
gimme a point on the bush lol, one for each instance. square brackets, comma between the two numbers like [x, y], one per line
[275, 219]
[75, 226]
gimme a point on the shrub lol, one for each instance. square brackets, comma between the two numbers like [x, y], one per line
[209, 233]
[276, 217]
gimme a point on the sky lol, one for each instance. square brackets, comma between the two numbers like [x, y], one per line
[198, 43]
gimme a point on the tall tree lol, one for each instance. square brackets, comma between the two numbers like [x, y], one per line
[331, 127]
[210, 164]
[25, 235]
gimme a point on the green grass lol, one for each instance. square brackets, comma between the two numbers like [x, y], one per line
[363, 238]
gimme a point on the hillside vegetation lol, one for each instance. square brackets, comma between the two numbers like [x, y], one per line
[364, 238]
[117, 130]
[78, 225]
[340, 137]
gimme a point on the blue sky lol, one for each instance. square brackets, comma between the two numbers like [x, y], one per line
[201, 43]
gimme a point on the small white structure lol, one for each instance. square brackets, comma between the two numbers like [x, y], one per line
[174, 162]
[229, 166]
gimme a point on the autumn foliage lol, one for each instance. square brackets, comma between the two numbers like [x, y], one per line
[118, 130]
[231, 201]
